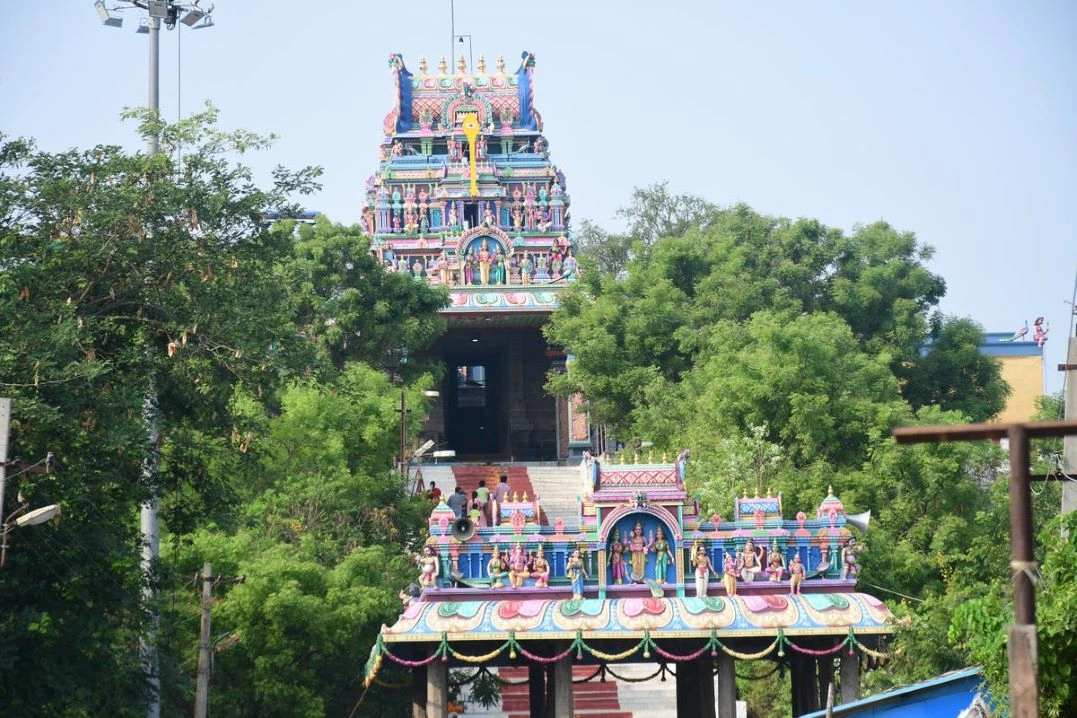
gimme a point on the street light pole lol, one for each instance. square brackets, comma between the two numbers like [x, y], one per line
[1022, 648]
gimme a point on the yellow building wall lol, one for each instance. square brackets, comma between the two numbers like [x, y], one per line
[1025, 377]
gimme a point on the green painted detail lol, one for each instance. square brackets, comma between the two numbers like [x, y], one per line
[825, 601]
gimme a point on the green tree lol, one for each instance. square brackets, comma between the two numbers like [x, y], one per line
[120, 280]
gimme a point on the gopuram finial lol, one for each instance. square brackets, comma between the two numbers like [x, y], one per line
[443, 67]
[501, 64]
[482, 63]
[461, 66]
[422, 65]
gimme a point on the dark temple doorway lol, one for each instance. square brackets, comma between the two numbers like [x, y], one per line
[473, 404]
[493, 405]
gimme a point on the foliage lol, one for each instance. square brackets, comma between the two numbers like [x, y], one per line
[266, 353]
[952, 373]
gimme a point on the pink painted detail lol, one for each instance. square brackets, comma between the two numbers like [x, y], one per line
[639, 606]
[801, 518]
[559, 525]
[716, 519]
[760, 518]
[443, 524]
[758, 604]
[518, 520]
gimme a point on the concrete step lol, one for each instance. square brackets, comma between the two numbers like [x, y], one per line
[559, 487]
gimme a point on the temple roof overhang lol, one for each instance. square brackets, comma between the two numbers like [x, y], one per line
[751, 616]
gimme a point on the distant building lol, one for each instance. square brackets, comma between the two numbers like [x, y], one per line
[1022, 369]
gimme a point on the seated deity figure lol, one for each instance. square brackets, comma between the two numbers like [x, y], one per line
[750, 559]
[517, 566]
[540, 569]
[497, 569]
[775, 565]
[428, 568]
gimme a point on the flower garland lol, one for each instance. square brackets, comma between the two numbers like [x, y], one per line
[579, 646]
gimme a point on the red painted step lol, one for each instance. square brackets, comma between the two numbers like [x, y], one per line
[591, 698]
[467, 477]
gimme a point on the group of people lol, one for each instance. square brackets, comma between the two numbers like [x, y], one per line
[479, 505]
[628, 556]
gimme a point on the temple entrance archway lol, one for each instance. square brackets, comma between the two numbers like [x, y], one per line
[493, 404]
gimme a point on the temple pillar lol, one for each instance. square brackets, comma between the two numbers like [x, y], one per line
[825, 666]
[418, 692]
[850, 677]
[727, 686]
[562, 689]
[705, 691]
[687, 689]
[579, 429]
[802, 672]
[437, 690]
[536, 689]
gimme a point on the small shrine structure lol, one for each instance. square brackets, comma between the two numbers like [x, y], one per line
[655, 581]
[466, 196]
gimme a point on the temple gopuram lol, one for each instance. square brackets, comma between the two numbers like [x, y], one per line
[639, 577]
[466, 196]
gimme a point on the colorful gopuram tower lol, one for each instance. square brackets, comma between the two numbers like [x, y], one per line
[466, 196]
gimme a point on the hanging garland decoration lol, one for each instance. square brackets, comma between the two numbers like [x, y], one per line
[485, 658]
[861, 647]
[810, 651]
[626, 679]
[771, 672]
[392, 686]
[579, 646]
[588, 678]
[474, 677]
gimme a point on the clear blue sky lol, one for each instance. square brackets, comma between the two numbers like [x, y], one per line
[955, 120]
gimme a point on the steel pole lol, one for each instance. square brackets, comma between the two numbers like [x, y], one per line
[5, 425]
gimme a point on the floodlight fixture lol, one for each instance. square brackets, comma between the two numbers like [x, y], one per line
[208, 22]
[424, 448]
[432, 393]
[143, 26]
[38, 516]
[158, 8]
[193, 17]
[107, 18]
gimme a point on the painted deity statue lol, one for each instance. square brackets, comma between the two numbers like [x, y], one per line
[637, 545]
[750, 559]
[443, 268]
[454, 221]
[850, 563]
[617, 561]
[501, 270]
[428, 568]
[568, 269]
[662, 555]
[497, 569]
[775, 565]
[704, 567]
[526, 267]
[576, 572]
[540, 569]
[796, 574]
[484, 264]
[517, 566]
[731, 567]
[469, 267]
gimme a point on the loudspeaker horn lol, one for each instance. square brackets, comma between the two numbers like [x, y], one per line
[463, 529]
[859, 521]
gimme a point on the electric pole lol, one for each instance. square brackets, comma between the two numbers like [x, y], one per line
[205, 638]
[1022, 648]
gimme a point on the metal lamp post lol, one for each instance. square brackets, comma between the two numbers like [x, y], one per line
[169, 12]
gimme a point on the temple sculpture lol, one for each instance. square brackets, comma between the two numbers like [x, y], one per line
[637, 579]
[466, 196]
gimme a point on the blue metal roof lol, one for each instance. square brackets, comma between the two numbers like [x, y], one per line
[945, 695]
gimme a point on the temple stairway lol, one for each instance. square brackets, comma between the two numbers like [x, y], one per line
[609, 699]
[558, 489]
[467, 477]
